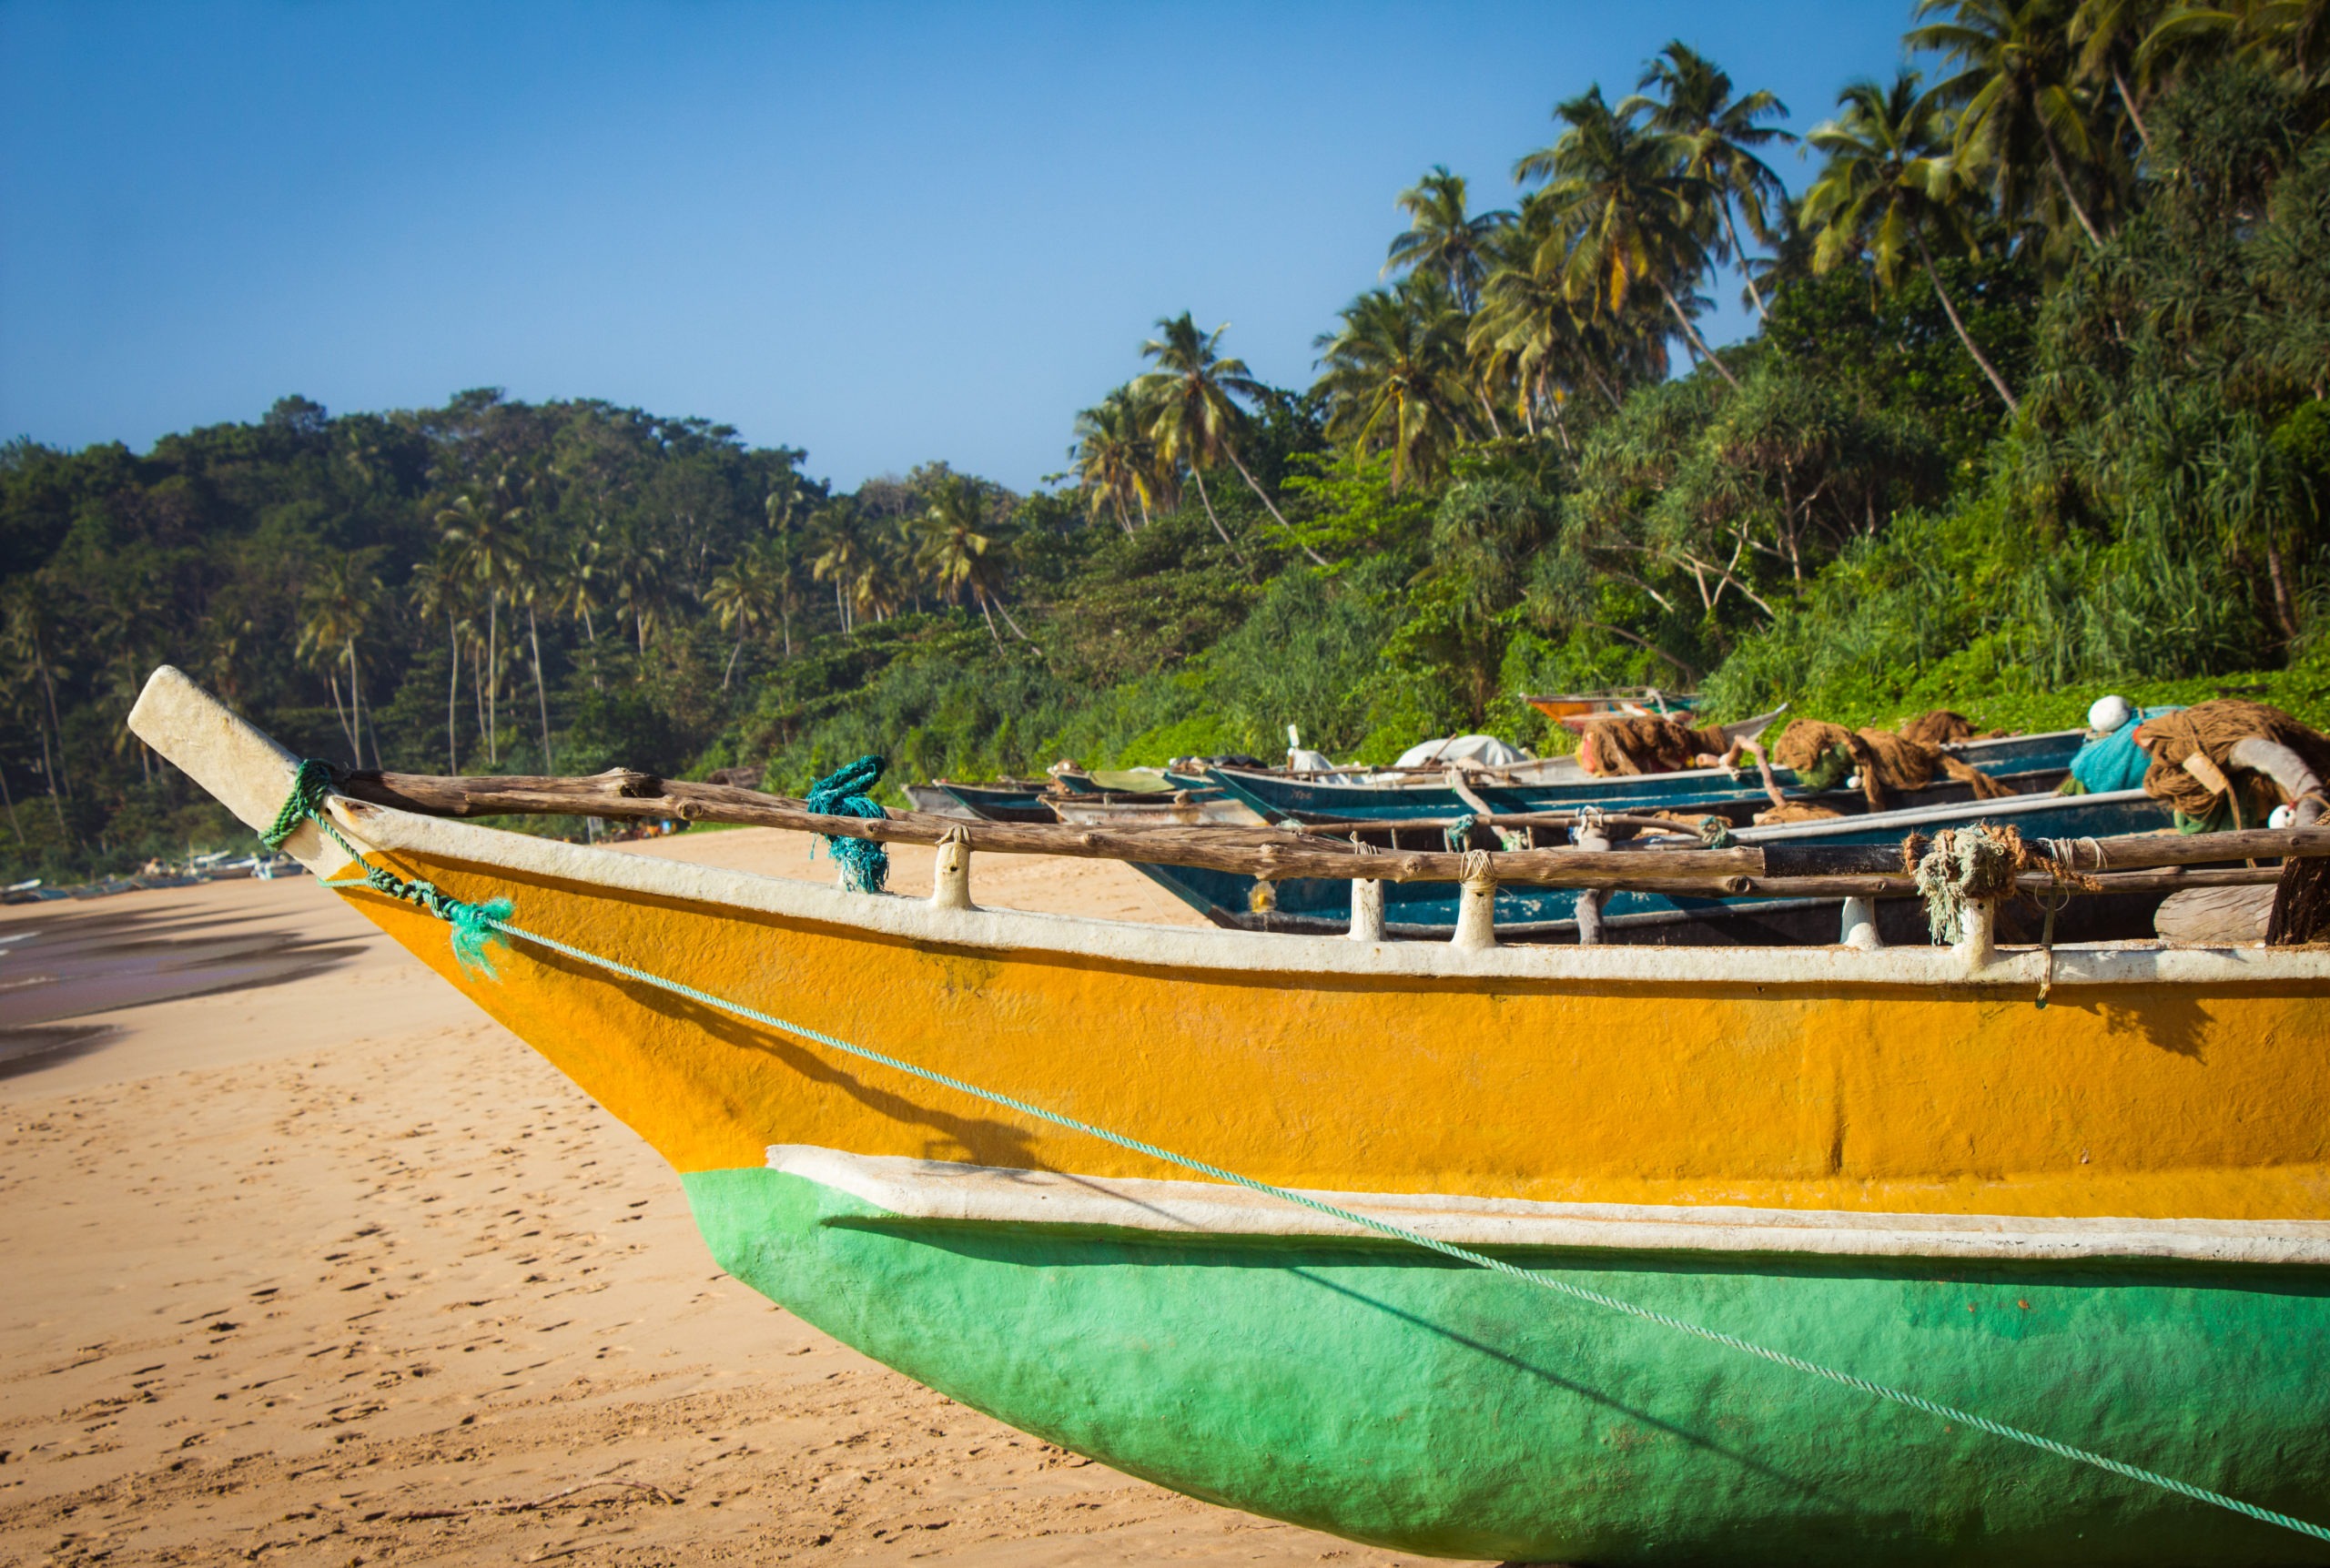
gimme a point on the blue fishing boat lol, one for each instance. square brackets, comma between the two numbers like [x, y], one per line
[2022, 762]
[1427, 911]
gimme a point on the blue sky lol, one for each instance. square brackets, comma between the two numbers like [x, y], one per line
[885, 232]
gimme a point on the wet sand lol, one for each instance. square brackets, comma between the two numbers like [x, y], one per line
[330, 1269]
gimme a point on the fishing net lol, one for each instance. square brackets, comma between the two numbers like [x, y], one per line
[1647, 743]
[2211, 730]
[1889, 763]
[1937, 728]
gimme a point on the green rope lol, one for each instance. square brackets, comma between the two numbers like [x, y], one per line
[474, 925]
[308, 786]
[866, 865]
[1459, 834]
[495, 916]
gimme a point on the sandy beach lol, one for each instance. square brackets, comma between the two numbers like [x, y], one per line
[325, 1267]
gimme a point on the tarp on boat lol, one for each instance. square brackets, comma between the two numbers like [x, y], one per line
[1483, 750]
[2115, 761]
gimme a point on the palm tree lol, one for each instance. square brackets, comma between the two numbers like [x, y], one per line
[32, 636]
[529, 586]
[635, 570]
[437, 590]
[961, 546]
[1887, 180]
[1396, 377]
[782, 552]
[337, 610]
[1624, 214]
[1718, 135]
[2017, 96]
[485, 538]
[1191, 419]
[1114, 459]
[1443, 239]
[1529, 328]
[745, 595]
[845, 562]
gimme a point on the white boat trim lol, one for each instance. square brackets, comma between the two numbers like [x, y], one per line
[1924, 816]
[946, 1192]
[251, 774]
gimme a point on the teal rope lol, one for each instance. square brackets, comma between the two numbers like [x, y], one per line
[1459, 834]
[865, 864]
[486, 916]
[474, 925]
[308, 786]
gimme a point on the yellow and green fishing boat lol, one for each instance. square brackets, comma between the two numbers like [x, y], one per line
[1578, 1254]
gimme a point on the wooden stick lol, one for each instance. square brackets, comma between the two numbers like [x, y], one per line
[1270, 854]
[2167, 879]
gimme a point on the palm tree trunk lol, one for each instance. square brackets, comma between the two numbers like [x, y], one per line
[48, 777]
[731, 669]
[452, 696]
[1215, 520]
[1230, 452]
[2063, 179]
[1017, 630]
[2285, 611]
[784, 619]
[476, 696]
[356, 704]
[1561, 426]
[57, 728]
[1691, 335]
[1950, 310]
[1497, 432]
[13, 826]
[1739, 250]
[492, 678]
[331, 680]
[2136, 116]
[541, 697]
[990, 623]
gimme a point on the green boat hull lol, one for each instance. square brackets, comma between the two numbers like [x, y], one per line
[1388, 1396]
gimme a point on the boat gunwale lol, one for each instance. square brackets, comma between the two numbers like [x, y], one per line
[1325, 958]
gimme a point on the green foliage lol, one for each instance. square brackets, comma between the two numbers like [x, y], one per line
[2026, 423]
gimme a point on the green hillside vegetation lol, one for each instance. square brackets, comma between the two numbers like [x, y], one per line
[2034, 409]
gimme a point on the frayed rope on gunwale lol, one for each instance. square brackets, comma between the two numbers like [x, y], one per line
[492, 918]
[865, 863]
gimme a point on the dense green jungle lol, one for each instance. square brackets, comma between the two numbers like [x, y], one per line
[2033, 410]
